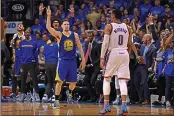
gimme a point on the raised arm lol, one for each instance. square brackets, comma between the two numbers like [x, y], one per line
[130, 44]
[52, 31]
[41, 19]
[169, 38]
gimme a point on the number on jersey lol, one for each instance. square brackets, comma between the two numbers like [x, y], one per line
[120, 40]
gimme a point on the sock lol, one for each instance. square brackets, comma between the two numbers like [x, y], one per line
[106, 102]
[57, 97]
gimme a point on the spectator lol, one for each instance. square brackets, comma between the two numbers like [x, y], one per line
[92, 69]
[45, 39]
[58, 15]
[16, 80]
[36, 26]
[145, 9]
[126, 15]
[28, 61]
[166, 19]
[89, 26]
[103, 22]
[82, 27]
[51, 59]
[158, 68]
[118, 3]
[168, 70]
[157, 9]
[82, 12]
[96, 36]
[148, 53]
[38, 39]
[62, 11]
[19, 35]
[93, 17]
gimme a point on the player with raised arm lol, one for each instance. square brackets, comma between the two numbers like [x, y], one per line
[67, 66]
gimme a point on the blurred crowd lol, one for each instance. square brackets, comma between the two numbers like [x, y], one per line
[152, 26]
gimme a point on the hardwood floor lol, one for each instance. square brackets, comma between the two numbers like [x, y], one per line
[78, 109]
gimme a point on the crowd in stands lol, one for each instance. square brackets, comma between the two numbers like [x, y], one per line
[145, 17]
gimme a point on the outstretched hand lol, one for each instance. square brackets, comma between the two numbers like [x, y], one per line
[41, 7]
[48, 11]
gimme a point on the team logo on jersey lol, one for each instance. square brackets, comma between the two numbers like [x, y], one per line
[68, 45]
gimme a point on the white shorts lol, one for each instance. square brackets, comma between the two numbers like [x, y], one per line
[118, 62]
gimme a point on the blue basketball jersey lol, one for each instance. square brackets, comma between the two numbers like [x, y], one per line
[67, 47]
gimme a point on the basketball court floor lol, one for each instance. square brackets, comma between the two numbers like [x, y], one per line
[79, 109]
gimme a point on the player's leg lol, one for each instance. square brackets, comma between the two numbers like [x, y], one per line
[34, 81]
[61, 74]
[117, 87]
[123, 77]
[106, 92]
[24, 72]
[124, 91]
[111, 67]
[72, 80]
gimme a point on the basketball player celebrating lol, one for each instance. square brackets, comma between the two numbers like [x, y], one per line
[67, 66]
[116, 39]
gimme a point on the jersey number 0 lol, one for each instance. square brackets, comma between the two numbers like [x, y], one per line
[120, 40]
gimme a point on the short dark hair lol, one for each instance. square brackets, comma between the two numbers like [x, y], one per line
[65, 20]
[117, 14]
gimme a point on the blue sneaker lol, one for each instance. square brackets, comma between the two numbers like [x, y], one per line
[105, 110]
[3, 99]
[45, 98]
[21, 98]
[13, 95]
[19, 93]
[37, 97]
[69, 97]
[28, 97]
[124, 110]
[56, 104]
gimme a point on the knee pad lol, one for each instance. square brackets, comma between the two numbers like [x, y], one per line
[117, 86]
[106, 86]
[123, 87]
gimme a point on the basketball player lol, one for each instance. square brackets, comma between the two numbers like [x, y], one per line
[67, 66]
[116, 39]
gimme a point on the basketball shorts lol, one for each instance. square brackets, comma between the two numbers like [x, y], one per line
[118, 62]
[66, 71]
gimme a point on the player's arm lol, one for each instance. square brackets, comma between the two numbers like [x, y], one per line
[51, 30]
[105, 43]
[79, 45]
[130, 44]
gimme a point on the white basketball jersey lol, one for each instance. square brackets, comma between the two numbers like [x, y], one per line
[119, 36]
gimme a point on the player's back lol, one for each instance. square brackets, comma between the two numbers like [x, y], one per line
[119, 36]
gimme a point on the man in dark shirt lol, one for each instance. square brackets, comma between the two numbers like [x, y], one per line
[167, 18]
